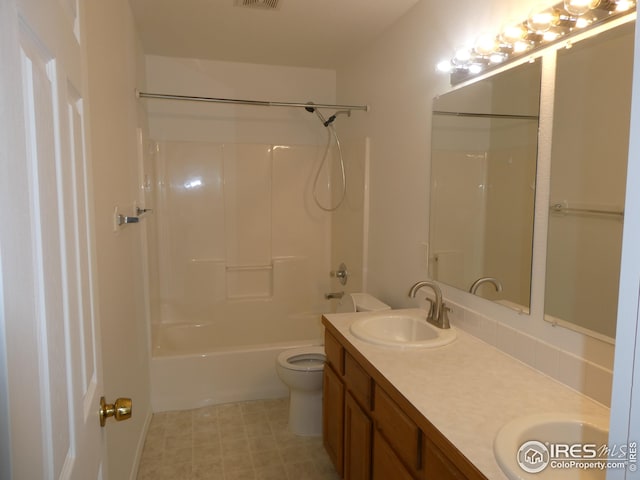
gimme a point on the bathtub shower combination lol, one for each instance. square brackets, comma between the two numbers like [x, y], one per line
[239, 255]
[243, 261]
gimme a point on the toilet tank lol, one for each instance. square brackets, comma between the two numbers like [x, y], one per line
[360, 302]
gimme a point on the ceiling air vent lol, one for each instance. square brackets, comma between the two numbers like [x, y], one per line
[262, 4]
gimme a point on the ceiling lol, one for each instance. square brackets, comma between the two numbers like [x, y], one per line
[302, 33]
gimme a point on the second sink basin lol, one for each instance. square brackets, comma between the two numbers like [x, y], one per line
[401, 328]
[534, 447]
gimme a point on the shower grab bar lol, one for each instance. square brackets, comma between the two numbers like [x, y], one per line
[239, 268]
[188, 98]
[486, 115]
[565, 208]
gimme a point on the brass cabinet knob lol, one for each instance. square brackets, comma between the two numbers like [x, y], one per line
[121, 410]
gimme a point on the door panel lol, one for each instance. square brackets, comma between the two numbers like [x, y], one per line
[52, 319]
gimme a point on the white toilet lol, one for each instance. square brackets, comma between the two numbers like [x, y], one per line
[301, 370]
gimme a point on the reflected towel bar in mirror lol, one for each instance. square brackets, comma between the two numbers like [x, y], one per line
[563, 208]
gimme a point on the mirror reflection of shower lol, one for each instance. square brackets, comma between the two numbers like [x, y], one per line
[331, 133]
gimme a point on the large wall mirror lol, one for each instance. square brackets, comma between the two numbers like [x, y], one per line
[483, 175]
[484, 156]
[588, 175]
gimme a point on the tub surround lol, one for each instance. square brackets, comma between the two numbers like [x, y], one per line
[466, 390]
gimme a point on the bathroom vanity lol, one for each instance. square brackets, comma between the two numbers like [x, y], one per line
[427, 413]
[371, 431]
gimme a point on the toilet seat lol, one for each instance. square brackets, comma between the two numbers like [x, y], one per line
[305, 359]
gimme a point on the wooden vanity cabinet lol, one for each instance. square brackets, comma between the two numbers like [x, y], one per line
[371, 432]
[333, 403]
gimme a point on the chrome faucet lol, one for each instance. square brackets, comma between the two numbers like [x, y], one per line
[481, 280]
[332, 295]
[438, 310]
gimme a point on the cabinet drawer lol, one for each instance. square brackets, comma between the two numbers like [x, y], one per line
[358, 382]
[399, 430]
[334, 352]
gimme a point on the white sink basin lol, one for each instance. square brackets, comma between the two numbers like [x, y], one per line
[401, 328]
[533, 447]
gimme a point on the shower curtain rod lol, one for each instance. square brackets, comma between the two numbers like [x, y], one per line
[248, 102]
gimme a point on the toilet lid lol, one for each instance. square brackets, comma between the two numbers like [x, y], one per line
[303, 359]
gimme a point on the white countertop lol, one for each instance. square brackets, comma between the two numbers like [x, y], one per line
[468, 389]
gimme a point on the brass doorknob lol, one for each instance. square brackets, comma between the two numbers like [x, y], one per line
[121, 410]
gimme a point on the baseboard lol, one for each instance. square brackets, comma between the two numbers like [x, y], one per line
[140, 447]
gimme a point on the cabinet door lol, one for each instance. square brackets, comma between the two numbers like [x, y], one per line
[399, 431]
[386, 465]
[438, 466]
[333, 416]
[357, 441]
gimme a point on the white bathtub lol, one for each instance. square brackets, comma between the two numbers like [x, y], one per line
[205, 364]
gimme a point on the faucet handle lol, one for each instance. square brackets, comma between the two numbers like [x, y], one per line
[342, 274]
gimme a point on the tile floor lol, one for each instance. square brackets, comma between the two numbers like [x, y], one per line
[236, 441]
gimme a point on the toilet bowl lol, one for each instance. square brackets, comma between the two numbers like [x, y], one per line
[301, 370]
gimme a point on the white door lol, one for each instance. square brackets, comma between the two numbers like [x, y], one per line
[47, 304]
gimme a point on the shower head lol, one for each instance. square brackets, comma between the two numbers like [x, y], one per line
[326, 122]
[332, 118]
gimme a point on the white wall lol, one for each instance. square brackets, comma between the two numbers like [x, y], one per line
[205, 122]
[114, 56]
[396, 76]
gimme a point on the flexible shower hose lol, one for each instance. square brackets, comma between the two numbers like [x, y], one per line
[331, 132]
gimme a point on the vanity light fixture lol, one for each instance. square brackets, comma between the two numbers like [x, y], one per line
[539, 30]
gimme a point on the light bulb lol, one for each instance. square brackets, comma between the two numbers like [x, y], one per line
[444, 66]
[521, 46]
[580, 7]
[624, 5]
[497, 58]
[540, 22]
[582, 22]
[485, 45]
[475, 68]
[550, 36]
[513, 33]
[462, 55]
